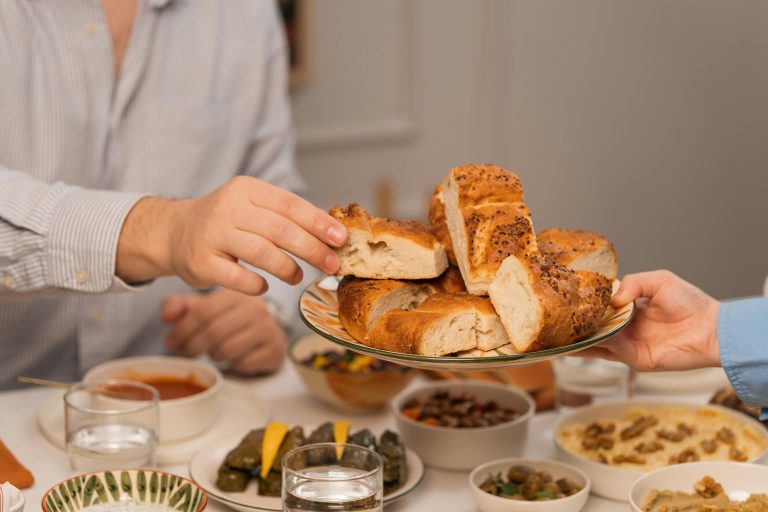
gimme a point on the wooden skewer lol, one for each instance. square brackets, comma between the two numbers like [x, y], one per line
[43, 382]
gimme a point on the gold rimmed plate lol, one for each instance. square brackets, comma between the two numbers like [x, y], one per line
[319, 308]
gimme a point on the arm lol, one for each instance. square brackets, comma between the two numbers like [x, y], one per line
[56, 237]
[679, 327]
[742, 333]
[64, 238]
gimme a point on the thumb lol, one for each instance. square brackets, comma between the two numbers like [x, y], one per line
[634, 286]
[173, 308]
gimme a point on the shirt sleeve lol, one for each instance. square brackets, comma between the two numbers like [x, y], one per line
[742, 331]
[58, 237]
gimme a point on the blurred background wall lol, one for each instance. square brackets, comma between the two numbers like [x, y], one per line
[645, 121]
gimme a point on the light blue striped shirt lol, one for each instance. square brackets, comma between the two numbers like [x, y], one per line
[201, 97]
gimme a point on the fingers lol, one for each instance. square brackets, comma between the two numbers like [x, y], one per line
[173, 308]
[219, 329]
[290, 236]
[643, 284]
[236, 346]
[309, 217]
[202, 310]
[263, 254]
[232, 275]
[267, 357]
[597, 353]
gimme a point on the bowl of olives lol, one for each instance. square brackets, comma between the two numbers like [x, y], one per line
[518, 484]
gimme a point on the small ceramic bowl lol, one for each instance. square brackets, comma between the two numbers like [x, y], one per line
[356, 392]
[125, 486]
[738, 479]
[490, 503]
[462, 449]
[180, 418]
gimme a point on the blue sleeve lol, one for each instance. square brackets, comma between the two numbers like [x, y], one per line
[742, 332]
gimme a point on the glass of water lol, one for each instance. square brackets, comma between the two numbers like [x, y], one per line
[332, 476]
[581, 381]
[111, 425]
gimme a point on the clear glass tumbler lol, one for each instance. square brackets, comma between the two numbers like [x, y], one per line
[581, 381]
[332, 476]
[111, 425]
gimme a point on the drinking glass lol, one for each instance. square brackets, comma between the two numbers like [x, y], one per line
[583, 381]
[111, 425]
[332, 476]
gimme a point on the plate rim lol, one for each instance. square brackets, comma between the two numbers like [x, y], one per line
[457, 362]
[221, 443]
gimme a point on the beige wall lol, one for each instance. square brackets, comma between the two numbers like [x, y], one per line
[646, 121]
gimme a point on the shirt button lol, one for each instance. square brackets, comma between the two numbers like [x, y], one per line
[97, 317]
[82, 276]
[8, 281]
[91, 28]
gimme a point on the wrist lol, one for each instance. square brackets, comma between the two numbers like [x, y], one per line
[712, 344]
[144, 247]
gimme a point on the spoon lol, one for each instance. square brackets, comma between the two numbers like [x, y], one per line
[43, 382]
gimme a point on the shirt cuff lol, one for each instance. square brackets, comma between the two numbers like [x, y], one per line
[82, 242]
[742, 331]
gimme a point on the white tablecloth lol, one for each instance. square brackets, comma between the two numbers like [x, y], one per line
[440, 490]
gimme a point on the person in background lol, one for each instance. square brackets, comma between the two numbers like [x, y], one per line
[139, 140]
[679, 327]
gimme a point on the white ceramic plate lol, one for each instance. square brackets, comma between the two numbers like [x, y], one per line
[702, 380]
[319, 308]
[240, 409]
[204, 466]
[739, 480]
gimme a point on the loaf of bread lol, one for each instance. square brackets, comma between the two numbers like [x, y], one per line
[449, 281]
[363, 301]
[437, 224]
[487, 221]
[579, 250]
[489, 331]
[545, 305]
[436, 328]
[387, 249]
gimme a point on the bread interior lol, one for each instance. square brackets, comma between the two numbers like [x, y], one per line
[458, 232]
[601, 260]
[490, 332]
[390, 255]
[516, 303]
[453, 332]
[405, 298]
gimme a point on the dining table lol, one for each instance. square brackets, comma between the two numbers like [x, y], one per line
[289, 402]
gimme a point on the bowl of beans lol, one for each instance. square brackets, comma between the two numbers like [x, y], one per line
[459, 425]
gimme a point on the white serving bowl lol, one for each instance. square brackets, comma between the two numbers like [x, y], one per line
[465, 448]
[180, 418]
[353, 392]
[489, 503]
[738, 479]
[614, 482]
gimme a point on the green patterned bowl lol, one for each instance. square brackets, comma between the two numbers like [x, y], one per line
[93, 491]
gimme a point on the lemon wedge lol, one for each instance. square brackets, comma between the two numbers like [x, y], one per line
[273, 438]
[340, 435]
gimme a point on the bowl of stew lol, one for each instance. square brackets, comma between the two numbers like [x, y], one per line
[344, 379]
[460, 425]
[189, 390]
